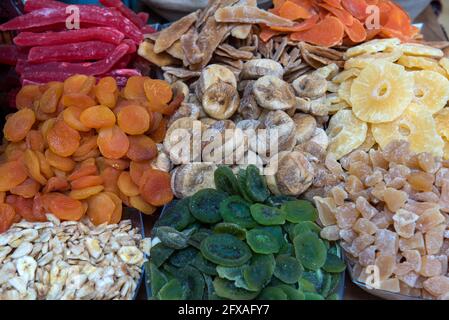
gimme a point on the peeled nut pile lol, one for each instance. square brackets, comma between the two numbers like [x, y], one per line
[70, 261]
[258, 99]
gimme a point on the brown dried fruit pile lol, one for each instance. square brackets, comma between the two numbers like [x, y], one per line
[78, 147]
[390, 209]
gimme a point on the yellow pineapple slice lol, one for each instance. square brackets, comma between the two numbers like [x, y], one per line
[442, 122]
[431, 90]
[346, 133]
[346, 75]
[417, 126]
[365, 60]
[335, 107]
[444, 63]
[344, 91]
[420, 63]
[372, 46]
[417, 49]
[381, 92]
[446, 149]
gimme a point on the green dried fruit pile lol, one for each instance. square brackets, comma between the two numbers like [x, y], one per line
[239, 242]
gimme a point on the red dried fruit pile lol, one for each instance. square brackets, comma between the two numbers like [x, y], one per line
[330, 23]
[79, 148]
[47, 51]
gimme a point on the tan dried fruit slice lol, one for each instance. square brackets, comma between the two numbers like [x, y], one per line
[346, 133]
[431, 90]
[416, 125]
[344, 91]
[444, 63]
[346, 75]
[372, 46]
[417, 49]
[381, 93]
[146, 50]
[248, 14]
[442, 122]
[365, 60]
[421, 63]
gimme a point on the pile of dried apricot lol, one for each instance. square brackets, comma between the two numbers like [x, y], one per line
[82, 147]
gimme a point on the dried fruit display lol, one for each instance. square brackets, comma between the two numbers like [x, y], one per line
[389, 210]
[399, 90]
[332, 23]
[237, 241]
[48, 52]
[70, 260]
[79, 148]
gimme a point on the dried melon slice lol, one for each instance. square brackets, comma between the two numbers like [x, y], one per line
[417, 126]
[417, 49]
[442, 122]
[365, 60]
[381, 92]
[345, 133]
[372, 46]
[431, 90]
[420, 63]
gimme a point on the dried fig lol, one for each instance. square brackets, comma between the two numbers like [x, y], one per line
[305, 127]
[312, 86]
[248, 108]
[221, 100]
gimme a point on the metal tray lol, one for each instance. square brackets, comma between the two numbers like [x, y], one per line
[340, 289]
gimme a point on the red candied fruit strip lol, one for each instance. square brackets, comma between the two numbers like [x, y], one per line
[105, 34]
[88, 14]
[33, 5]
[8, 54]
[81, 51]
[124, 10]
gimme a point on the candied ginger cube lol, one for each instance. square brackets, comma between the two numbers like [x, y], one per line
[398, 151]
[415, 242]
[386, 265]
[402, 268]
[405, 231]
[413, 257]
[431, 266]
[391, 285]
[339, 195]
[437, 286]
[360, 243]
[326, 210]
[377, 159]
[428, 163]
[421, 181]
[404, 217]
[429, 219]
[367, 256]
[444, 197]
[346, 215]
[353, 185]
[441, 176]
[410, 279]
[394, 199]
[365, 208]
[363, 225]
[374, 178]
[348, 235]
[360, 169]
[379, 190]
[387, 242]
[420, 207]
[443, 259]
[331, 233]
[434, 239]
[333, 165]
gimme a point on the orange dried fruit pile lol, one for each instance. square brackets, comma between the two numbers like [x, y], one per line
[85, 148]
[331, 23]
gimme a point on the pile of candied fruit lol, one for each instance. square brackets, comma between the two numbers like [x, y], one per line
[390, 209]
[85, 148]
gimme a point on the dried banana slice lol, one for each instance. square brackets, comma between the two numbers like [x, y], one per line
[312, 86]
[417, 49]
[248, 107]
[273, 93]
[289, 173]
[417, 126]
[221, 100]
[431, 90]
[305, 127]
[179, 88]
[372, 46]
[365, 60]
[346, 133]
[327, 72]
[256, 68]
[212, 74]
[189, 178]
[381, 92]
[279, 124]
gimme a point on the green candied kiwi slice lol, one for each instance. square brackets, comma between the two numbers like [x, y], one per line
[196, 238]
[333, 296]
[255, 185]
[299, 210]
[292, 293]
[267, 216]
[258, 274]
[288, 269]
[327, 283]
[313, 296]
[272, 293]
[310, 250]
[279, 200]
[192, 282]
[172, 238]
[160, 253]
[306, 286]
[241, 179]
[236, 210]
[305, 226]
[204, 265]
[172, 290]
[227, 289]
[176, 215]
[225, 250]
[226, 181]
[316, 278]
[262, 241]
[183, 257]
[157, 279]
[334, 264]
[204, 205]
[230, 228]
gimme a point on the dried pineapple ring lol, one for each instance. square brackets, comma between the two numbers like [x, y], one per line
[346, 75]
[369, 142]
[372, 46]
[431, 90]
[416, 125]
[365, 60]
[417, 49]
[381, 92]
[346, 133]
[441, 122]
[446, 149]
[444, 63]
[420, 63]
[344, 91]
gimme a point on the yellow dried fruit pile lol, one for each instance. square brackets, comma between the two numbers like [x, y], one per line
[399, 90]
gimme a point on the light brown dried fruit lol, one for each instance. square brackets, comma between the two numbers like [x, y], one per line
[248, 14]
[394, 199]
